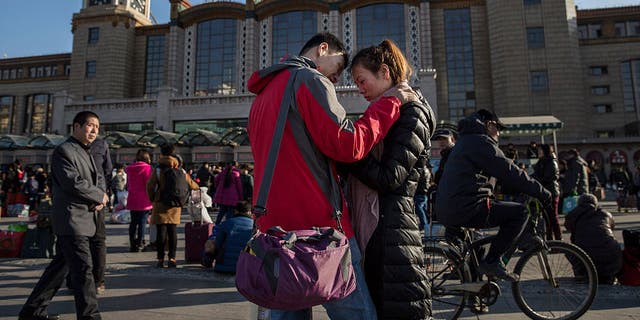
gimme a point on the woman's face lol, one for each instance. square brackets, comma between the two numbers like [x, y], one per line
[371, 85]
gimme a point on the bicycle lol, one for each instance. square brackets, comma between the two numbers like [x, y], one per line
[557, 280]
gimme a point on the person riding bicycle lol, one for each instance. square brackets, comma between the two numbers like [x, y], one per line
[465, 192]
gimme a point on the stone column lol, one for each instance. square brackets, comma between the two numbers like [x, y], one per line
[163, 110]
[60, 100]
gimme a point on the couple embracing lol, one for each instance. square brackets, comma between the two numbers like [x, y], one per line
[383, 151]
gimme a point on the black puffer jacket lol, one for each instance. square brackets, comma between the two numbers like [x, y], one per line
[547, 173]
[465, 187]
[592, 230]
[395, 263]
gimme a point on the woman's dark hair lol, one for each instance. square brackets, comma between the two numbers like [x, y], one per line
[228, 175]
[334, 43]
[168, 149]
[547, 150]
[143, 155]
[387, 53]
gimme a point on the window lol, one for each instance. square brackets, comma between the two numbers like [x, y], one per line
[531, 2]
[67, 69]
[539, 81]
[621, 30]
[154, 74]
[217, 126]
[630, 74]
[627, 28]
[369, 30]
[94, 35]
[216, 57]
[598, 70]
[88, 98]
[290, 32]
[459, 57]
[590, 31]
[535, 37]
[7, 113]
[602, 108]
[32, 72]
[605, 134]
[90, 69]
[38, 117]
[600, 90]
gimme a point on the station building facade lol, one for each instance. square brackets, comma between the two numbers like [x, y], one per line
[516, 57]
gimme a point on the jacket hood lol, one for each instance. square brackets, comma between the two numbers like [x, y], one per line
[168, 161]
[261, 78]
[137, 167]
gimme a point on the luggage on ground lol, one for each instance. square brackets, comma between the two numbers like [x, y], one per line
[195, 235]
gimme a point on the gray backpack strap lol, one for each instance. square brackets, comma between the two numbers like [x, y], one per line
[260, 208]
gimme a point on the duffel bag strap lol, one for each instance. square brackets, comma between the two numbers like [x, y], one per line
[260, 208]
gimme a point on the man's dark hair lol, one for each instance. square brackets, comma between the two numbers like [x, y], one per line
[168, 149]
[243, 208]
[574, 152]
[334, 45]
[82, 117]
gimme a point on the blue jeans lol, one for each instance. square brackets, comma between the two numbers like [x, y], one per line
[357, 305]
[137, 227]
[421, 202]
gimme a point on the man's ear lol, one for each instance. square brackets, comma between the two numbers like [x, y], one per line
[322, 49]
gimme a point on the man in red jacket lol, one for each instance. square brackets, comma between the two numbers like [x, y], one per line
[316, 135]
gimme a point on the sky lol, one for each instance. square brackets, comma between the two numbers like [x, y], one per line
[40, 27]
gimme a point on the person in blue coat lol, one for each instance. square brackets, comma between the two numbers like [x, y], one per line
[232, 236]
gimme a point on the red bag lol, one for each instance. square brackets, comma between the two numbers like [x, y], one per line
[630, 267]
[10, 244]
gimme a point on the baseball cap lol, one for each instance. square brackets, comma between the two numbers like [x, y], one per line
[442, 133]
[485, 115]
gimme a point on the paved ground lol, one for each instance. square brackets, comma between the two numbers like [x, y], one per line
[137, 290]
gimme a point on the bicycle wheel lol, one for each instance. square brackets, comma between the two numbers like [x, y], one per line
[443, 270]
[576, 282]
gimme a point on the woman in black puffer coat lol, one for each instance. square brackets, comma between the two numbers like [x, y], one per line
[394, 260]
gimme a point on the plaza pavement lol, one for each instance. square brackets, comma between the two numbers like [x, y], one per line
[138, 290]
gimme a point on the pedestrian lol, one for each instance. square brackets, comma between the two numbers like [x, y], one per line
[228, 191]
[138, 203]
[166, 217]
[591, 229]
[576, 179]
[99, 150]
[511, 152]
[396, 275]
[231, 237]
[247, 182]
[78, 194]
[547, 173]
[317, 134]
[532, 150]
[204, 175]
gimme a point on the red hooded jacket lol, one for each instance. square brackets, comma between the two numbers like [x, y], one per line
[317, 133]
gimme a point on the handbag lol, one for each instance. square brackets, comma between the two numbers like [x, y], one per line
[569, 203]
[292, 270]
[11, 243]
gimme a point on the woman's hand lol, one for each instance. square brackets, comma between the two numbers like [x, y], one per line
[403, 92]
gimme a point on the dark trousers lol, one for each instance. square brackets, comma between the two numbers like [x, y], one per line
[99, 249]
[73, 256]
[509, 216]
[137, 227]
[168, 235]
[553, 225]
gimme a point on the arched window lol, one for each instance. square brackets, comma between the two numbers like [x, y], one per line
[39, 113]
[216, 57]
[379, 21]
[7, 113]
[290, 32]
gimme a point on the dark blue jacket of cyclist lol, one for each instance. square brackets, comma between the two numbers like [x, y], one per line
[465, 193]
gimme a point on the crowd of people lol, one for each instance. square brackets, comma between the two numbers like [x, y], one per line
[383, 156]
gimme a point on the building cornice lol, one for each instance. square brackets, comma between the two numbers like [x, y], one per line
[153, 30]
[266, 9]
[115, 17]
[44, 59]
[212, 10]
[609, 40]
[348, 5]
[616, 12]
[455, 4]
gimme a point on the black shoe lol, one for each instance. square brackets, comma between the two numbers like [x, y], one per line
[497, 270]
[41, 317]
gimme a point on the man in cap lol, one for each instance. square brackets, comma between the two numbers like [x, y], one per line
[445, 140]
[465, 193]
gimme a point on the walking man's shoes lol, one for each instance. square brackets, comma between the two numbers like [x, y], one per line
[41, 317]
